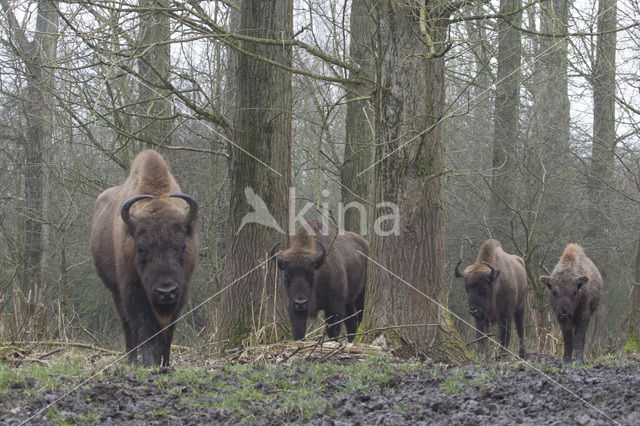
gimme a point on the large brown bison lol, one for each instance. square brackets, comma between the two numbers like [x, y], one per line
[144, 246]
[575, 288]
[496, 286]
[324, 272]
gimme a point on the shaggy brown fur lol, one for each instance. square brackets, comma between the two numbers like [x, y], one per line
[331, 281]
[496, 297]
[147, 262]
[575, 289]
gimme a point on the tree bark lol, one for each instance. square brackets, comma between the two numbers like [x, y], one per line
[262, 131]
[507, 108]
[602, 155]
[154, 65]
[39, 56]
[360, 119]
[409, 173]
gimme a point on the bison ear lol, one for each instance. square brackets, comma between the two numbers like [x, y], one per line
[281, 263]
[457, 272]
[546, 280]
[581, 280]
[321, 256]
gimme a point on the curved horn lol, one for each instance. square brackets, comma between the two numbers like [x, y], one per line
[273, 249]
[493, 271]
[124, 210]
[321, 256]
[457, 271]
[193, 207]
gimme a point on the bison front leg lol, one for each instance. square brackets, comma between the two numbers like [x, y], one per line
[578, 337]
[505, 336]
[481, 328]
[567, 337]
[351, 321]
[165, 345]
[519, 320]
[144, 328]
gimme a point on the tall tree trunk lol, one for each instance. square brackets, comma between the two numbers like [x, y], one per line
[602, 154]
[39, 56]
[358, 150]
[409, 108]
[507, 108]
[154, 65]
[548, 154]
[260, 164]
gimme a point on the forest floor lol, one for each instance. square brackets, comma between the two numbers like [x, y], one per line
[323, 389]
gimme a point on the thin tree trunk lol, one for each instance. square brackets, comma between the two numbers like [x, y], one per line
[154, 65]
[39, 58]
[409, 109]
[262, 131]
[360, 119]
[507, 108]
[602, 154]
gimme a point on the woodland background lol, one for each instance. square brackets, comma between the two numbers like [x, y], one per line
[514, 120]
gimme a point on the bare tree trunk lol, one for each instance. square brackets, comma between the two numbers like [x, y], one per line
[602, 157]
[507, 108]
[358, 150]
[39, 58]
[154, 65]
[548, 152]
[260, 164]
[409, 110]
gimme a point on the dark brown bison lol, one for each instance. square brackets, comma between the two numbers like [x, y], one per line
[496, 287]
[324, 272]
[144, 246]
[575, 288]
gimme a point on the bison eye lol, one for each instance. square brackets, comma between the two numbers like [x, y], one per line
[555, 293]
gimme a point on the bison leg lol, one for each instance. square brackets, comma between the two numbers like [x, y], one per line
[505, 336]
[165, 345]
[131, 342]
[481, 328]
[519, 320]
[351, 321]
[578, 339]
[143, 327]
[567, 336]
[360, 306]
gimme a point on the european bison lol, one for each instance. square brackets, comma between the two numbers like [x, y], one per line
[144, 246]
[575, 288]
[496, 287]
[323, 273]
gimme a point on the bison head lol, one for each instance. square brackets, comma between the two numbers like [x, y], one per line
[564, 292]
[478, 282]
[163, 244]
[299, 266]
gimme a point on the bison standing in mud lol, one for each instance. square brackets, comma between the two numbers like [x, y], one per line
[575, 288]
[144, 246]
[324, 272]
[496, 286]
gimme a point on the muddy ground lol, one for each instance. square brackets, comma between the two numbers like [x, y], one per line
[378, 390]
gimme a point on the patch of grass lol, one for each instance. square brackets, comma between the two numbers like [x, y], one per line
[454, 384]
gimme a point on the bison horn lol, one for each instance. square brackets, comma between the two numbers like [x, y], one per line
[273, 249]
[457, 271]
[193, 207]
[493, 270]
[124, 211]
[321, 256]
